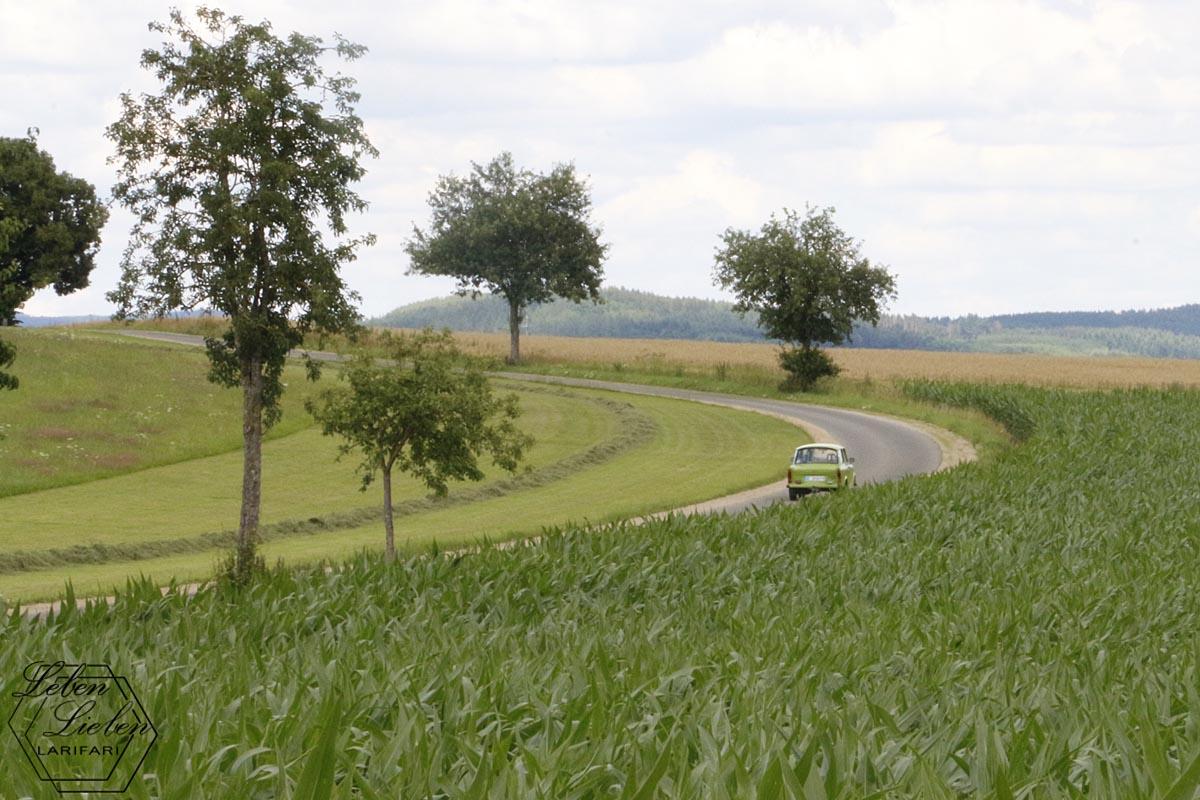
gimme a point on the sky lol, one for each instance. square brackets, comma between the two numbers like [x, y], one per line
[996, 156]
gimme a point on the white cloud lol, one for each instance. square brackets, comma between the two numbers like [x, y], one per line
[703, 182]
[982, 56]
[926, 154]
[997, 154]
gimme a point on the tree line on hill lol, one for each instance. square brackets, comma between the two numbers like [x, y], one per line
[628, 313]
[624, 313]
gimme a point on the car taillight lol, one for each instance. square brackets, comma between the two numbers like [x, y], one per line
[789, 476]
[839, 474]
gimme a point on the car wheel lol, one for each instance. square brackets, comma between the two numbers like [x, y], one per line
[793, 494]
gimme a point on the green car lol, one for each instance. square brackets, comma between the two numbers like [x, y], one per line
[819, 467]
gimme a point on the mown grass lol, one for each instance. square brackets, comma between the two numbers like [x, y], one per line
[160, 522]
[95, 406]
[1025, 627]
[302, 479]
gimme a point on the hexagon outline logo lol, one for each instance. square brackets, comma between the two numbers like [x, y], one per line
[81, 727]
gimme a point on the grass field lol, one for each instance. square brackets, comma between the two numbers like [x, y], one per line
[598, 456]
[92, 406]
[301, 479]
[1025, 627]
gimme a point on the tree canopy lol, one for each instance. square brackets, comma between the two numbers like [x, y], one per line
[235, 171]
[50, 225]
[427, 412]
[809, 283]
[517, 233]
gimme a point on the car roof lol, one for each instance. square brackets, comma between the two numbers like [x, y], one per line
[820, 444]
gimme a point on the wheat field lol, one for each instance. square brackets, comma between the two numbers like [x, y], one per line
[758, 361]
[659, 355]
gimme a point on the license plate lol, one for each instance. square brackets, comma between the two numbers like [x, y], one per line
[814, 478]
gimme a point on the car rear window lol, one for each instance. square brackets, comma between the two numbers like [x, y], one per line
[816, 455]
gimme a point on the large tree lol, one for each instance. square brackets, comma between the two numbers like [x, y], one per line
[517, 233]
[236, 170]
[427, 412]
[50, 225]
[809, 283]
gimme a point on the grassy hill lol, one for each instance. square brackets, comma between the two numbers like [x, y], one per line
[92, 406]
[626, 313]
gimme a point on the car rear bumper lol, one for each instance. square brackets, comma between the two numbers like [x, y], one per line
[823, 483]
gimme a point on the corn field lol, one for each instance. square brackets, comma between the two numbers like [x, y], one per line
[1024, 627]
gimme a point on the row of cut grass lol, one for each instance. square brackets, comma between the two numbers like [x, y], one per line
[302, 479]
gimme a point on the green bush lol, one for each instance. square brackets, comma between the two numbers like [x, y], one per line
[805, 366]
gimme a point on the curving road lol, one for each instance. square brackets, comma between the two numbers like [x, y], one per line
[883, 448]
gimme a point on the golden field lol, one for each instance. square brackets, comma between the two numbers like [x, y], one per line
[659, 355]
[758, 362]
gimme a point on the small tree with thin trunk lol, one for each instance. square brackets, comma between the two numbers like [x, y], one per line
[428, 413]
[517, 233]
[235, 171]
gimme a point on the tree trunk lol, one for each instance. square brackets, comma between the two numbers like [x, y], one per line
[514, 333]
[390, 548]
[252, 433]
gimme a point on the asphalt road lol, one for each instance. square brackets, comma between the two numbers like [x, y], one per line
[883, 448]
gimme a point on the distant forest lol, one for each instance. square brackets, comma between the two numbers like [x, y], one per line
[44, 322]
[624, 314]
[627, 313]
